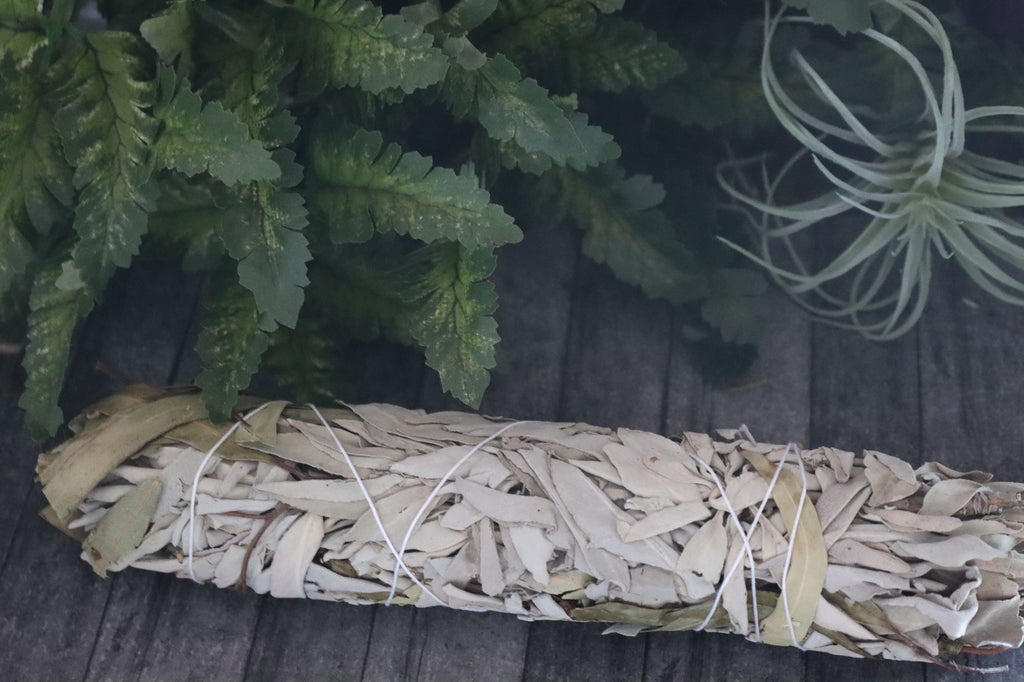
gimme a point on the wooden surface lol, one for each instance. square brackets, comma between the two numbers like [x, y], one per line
[577, 346]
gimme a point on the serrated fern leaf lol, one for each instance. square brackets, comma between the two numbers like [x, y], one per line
[344, 43]
[188, 219]
[230, 346]
[15, 10]
[35, 181]
[197, 138]
[363, 186]
[171, 32]
[302, 361]
[617, 55]
[22, 38]
[466, 15]
[522, 27]
[536, 163]
[263, 232]
[103, 90]
[247, 82]
[53, 315]
[734, 305]
[513, 108]
[451, 316]
[624, 230]
[361, 290]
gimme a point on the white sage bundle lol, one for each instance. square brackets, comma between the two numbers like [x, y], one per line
[819, 549]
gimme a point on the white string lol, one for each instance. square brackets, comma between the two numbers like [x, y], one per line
[747, 549]
[433, 495]
[195, 488]
[746, 541]
[373, 511]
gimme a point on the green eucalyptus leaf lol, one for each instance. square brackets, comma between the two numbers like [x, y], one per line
[123, 526]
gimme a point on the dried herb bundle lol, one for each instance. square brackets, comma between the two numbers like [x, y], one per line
[822, 549]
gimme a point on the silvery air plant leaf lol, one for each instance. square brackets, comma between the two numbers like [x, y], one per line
[910, 181]
[856, 555]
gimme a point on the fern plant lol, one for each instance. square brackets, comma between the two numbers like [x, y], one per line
[350, 169]
[327, 163]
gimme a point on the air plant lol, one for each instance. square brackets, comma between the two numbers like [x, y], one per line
[919, 188]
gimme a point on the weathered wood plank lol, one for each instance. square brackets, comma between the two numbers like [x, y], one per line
[864, 395]
[773, 399]
[618, 357]
[203, 633]
[52, 603]
[395, 644]
[299, 640]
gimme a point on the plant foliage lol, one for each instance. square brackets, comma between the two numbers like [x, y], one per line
[347, 169]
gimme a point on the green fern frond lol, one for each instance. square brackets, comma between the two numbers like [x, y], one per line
[517, 109]
[104, 88]
[35, 180]
[197, 137]
[345, 43]
[230, 345]
[616, 55]
[263, 232]
[362, 187]
[623, 229]
[54, 314]
[451, 306]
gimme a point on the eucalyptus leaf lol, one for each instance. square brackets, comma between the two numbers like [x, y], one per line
[122, 527]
